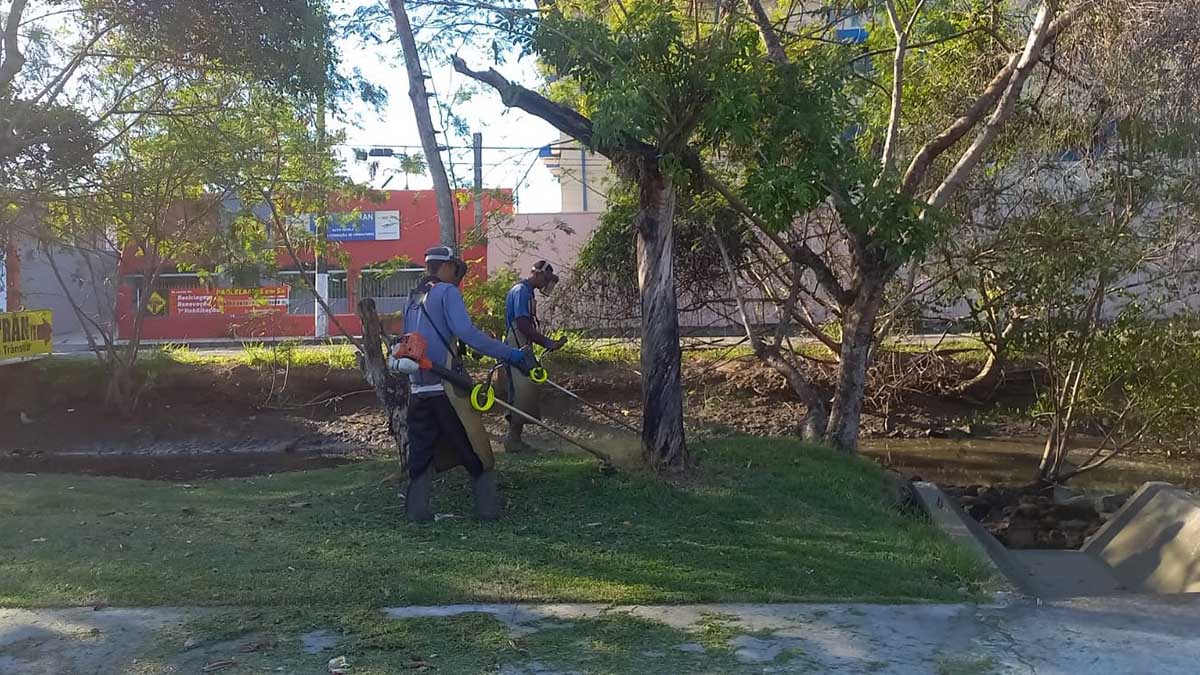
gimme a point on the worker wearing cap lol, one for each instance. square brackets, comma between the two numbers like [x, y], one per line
[444, 431]
[521, 330]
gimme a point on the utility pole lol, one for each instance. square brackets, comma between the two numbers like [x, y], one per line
[321, 278]
[583, 174]
[477, 142]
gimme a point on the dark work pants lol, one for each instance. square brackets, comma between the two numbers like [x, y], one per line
[433, 424]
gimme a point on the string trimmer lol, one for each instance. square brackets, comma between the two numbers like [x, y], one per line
[541, 376]
[545, 379]
[410, 355]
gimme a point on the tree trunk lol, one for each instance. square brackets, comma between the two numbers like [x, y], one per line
[122, 393]
[982, 386]
[816, 419]
[858, 335]
[1053, 454]
[390, 388]
[420, 100]
[662, 387]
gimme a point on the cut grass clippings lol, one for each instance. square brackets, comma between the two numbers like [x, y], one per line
[760, 520]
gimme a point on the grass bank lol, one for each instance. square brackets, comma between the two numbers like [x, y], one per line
[761, 520]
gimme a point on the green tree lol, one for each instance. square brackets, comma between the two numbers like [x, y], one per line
[77, 74]
[636, 81]
[125, 125]
[1075, 250]
[841, 212]
[160, 194]
[411, 165]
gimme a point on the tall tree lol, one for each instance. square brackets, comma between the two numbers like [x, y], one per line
[419, 96]
[874, 221]
[160, 196]
[634, 83]
[118, 133]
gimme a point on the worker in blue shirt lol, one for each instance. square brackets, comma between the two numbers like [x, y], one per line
[444, 431]
[521, 330]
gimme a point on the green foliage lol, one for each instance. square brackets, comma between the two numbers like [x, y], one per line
[788, 139]
[1143, 382]
[285, 44]
[485, 298]
[965, 44]
[230, 140]
[94, 70]
[1091, 275]
[288, 354]
[608, 260]
[67, 146]
[609, 254]
[643, 71]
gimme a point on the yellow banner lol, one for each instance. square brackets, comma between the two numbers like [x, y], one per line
[25, 335]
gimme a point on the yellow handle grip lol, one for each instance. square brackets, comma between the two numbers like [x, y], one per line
[539, 375]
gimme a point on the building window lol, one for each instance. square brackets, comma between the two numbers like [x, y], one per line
[390, 291]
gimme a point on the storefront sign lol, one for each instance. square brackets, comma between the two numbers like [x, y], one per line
[229, 301]
[25, 335]
[363, 226]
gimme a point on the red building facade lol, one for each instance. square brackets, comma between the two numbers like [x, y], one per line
[186, 306]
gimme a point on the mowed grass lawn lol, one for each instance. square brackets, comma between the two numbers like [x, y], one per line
[760, 520]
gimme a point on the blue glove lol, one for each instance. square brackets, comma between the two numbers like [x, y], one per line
[524, 360]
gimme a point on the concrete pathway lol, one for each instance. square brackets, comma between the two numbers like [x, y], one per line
[1120, 634]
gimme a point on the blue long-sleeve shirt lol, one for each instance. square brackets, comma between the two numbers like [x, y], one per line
[445, 311]
[518, 303]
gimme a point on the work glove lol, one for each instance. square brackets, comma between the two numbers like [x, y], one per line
[558, 344]
[524, 360]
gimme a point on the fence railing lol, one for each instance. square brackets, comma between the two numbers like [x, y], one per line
[389, 291]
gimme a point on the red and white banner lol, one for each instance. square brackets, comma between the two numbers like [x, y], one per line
[229, 301]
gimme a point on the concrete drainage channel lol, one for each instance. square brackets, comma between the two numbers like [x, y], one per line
[1151, 545]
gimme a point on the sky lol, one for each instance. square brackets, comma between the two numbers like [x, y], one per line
[510, 137]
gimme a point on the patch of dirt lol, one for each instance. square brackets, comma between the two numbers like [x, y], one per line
[191, 422]
[1025, 518]
[171, 467]
[196, 421]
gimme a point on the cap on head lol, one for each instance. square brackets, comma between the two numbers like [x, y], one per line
[546, 268]
[440, 254]
[435, 256]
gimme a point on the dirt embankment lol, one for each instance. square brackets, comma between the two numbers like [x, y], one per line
[222, 419]
[191, 420]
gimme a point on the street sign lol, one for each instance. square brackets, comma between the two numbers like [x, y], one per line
[156, 304]
[25, 336]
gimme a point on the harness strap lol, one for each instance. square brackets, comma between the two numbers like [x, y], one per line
[425, 312]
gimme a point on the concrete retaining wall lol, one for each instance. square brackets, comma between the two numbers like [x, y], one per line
[1153, 543]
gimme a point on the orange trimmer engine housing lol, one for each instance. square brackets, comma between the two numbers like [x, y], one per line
[412, 346]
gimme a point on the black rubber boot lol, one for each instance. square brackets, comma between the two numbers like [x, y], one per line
[487, 496]
[416, 498]
[512, 440]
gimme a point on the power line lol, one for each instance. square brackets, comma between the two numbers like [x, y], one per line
[452, 147]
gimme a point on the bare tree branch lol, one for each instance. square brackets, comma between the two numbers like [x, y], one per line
[1045, 26]
[775, 51]
[14, 60]
[559, 116]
